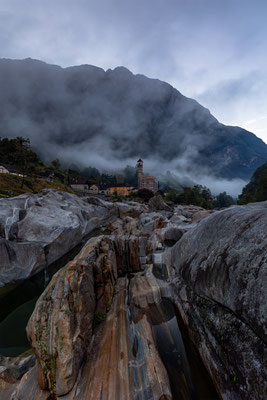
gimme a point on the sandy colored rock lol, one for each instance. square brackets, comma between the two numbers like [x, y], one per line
[115, 369]
[61, 326]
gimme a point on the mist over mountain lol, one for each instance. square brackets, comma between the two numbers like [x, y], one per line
[87, 116]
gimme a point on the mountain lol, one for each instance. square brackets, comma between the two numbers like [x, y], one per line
[87, 116]
[256, 189]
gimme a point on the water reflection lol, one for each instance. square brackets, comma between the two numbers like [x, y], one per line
[17, 302]
[171, 350]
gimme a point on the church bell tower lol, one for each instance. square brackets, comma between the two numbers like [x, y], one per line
[140, 173]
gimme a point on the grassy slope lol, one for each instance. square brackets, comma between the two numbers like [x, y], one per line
[10, 185]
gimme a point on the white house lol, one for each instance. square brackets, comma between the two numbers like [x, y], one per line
[3, 169]
[93, 189]
[9, 169]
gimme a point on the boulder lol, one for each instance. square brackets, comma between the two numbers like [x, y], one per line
[78, 296]
[13, 368]
[12, 371]
[60, 328]
[173, 234]
[220, 279]
[131, 210]
[38, 229]
[156, 203]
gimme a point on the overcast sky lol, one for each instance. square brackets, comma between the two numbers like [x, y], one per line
[212, 50]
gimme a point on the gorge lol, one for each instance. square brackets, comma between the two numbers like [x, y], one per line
[131, 301]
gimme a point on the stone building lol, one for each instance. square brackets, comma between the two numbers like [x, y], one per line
[145, 181]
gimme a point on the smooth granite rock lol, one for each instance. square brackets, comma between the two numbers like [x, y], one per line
[219, 271]
[106, 325]
[38, 229]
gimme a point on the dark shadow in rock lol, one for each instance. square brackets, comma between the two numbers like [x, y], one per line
[17, 302]
[201, 378]
[188, 376]
[171, 350]
[169, 243]
[160, 271]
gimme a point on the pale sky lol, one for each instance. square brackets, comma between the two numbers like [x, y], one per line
[214, 51]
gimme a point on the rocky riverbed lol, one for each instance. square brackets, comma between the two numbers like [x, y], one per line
[160, 302]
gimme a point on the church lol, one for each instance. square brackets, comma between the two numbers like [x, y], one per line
[145, 181]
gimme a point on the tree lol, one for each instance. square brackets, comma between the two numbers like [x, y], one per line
[145, 194]
[56, 164]
[25, 158]
[256, 189]
[223, 200]
[172, 195]
[109, 180]
[198, 195]
[13, 151]
[130, 175]
[92, 174]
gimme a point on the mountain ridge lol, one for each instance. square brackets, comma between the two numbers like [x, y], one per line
[108, 118]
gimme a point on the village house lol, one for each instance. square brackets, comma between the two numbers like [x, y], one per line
[145, 181]
[93, 189]
[9, 169]
[79, 186]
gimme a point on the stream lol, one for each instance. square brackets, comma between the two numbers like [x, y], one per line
[188, 377]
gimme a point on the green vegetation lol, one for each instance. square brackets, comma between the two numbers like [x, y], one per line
[256, 189]
[235, 379]
[56, 164]
[60, 342]
[199, 196]
[130, 175]
[98, 318]
[32, 174]
[223, 200]
[10, 185]
[18, 152]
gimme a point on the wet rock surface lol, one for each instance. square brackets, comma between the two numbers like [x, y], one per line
[155, 308]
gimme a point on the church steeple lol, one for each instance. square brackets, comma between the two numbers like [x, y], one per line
[140, 173]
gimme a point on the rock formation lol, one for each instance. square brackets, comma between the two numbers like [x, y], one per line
[150, 304]
[219, 272]
[38, 229]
